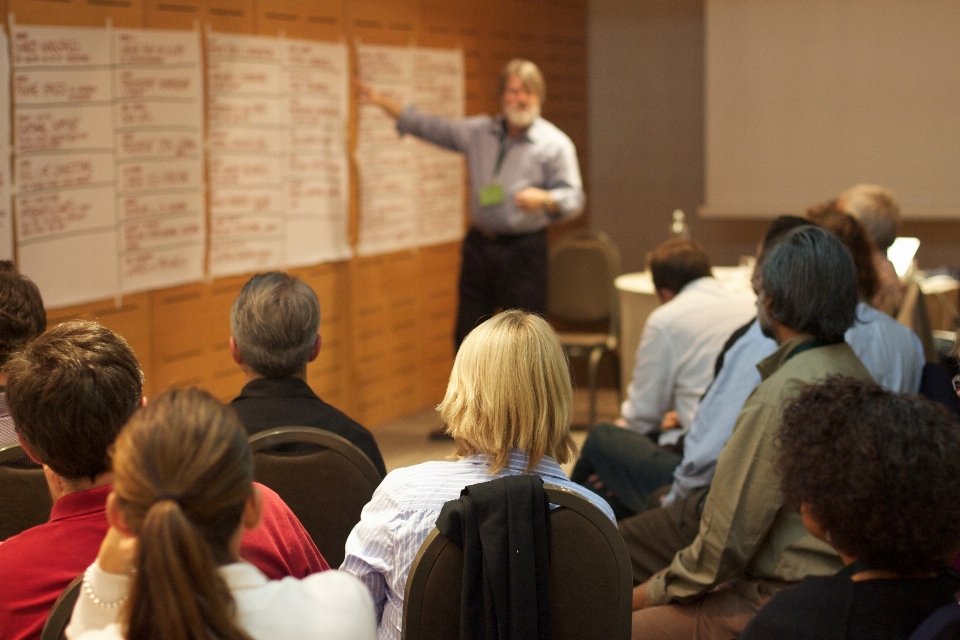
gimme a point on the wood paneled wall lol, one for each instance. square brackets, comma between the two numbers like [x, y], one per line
[386, 321]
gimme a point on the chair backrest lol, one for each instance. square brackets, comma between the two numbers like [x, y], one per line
[24, 497]
[913, 313]
[326, 488]
[942, 624]
[583, 266]
[62, 609]
[591, 582]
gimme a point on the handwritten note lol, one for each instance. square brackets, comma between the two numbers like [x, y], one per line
[411, 193]
[438, 88]
[64, 162]
[277, 165]
[108, 164]
[158, 106]
[6, 178]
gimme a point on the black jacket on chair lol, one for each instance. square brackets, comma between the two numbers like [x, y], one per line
[503, 528]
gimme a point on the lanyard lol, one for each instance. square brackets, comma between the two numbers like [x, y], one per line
[501, 154]
[811, 344]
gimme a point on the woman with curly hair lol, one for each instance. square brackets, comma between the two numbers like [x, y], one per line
[170, 564]
[877, 476]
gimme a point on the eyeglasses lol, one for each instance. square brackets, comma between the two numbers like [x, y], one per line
[956, 383]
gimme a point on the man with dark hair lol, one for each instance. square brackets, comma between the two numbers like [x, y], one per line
[674, 365]
[274, 322]
[71, 391]
[22, 318]
[750, 544]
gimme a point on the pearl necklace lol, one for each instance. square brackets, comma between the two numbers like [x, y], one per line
[96, 599]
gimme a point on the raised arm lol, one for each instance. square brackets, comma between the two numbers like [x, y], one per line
[368, 95]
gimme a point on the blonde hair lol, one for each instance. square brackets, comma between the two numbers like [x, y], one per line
[529, 74]
[183, 473]
[510, 389]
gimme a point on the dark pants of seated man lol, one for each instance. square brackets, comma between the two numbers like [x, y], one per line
[630, 466]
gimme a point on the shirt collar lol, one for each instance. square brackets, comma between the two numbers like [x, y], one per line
[706, 282]
[274, 387]
[517, 464]
[529, 134]
[769, 365]
[81, 503]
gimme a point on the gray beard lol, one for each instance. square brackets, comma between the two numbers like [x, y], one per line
[521, 118]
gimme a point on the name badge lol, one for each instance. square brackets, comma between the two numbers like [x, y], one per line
[491, 195]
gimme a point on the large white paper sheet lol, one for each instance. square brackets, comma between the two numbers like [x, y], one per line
[65, 163]
[411, 192]
[6, 176]
[277, 165]
[159, 113]
[108, 165]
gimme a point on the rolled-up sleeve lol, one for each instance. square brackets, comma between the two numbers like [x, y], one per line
[564, 182]
[737, 515]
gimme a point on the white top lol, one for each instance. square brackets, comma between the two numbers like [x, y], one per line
[330, 605]
[675, 360]
[890, 351]
[402, 513]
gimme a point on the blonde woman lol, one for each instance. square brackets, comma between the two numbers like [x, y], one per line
[170, 564]
[508, 407]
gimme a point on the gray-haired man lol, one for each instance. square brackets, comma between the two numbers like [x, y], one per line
[274, 322]
[524, 175]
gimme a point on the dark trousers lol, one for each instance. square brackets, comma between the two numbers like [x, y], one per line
[630, 465]
[500, 272]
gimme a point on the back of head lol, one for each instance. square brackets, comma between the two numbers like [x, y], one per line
[875, 207]
[510, 389]
[528, 72]
[22, 317]
[879, 471]
[183, 473]
[274, 322]
[70, 391]
[811, 282]
[677, 262]
[853, 235]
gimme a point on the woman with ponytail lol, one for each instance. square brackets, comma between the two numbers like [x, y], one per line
[170, 565]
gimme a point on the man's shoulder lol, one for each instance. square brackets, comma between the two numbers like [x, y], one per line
[545, 133]
[708, 305]
[809, 367]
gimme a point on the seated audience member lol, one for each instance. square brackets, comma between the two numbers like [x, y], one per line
[674, 366]
[749, 544]
[274, 322]
[182, 498]
[890, 351]
[22, 318]
[71, 390]
[508, 407]
[876, 475]
[876, 209]
[736, 378]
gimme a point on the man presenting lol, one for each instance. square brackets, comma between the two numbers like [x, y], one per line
[523, 176]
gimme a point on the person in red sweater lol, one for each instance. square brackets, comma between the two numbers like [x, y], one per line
[70, 392]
